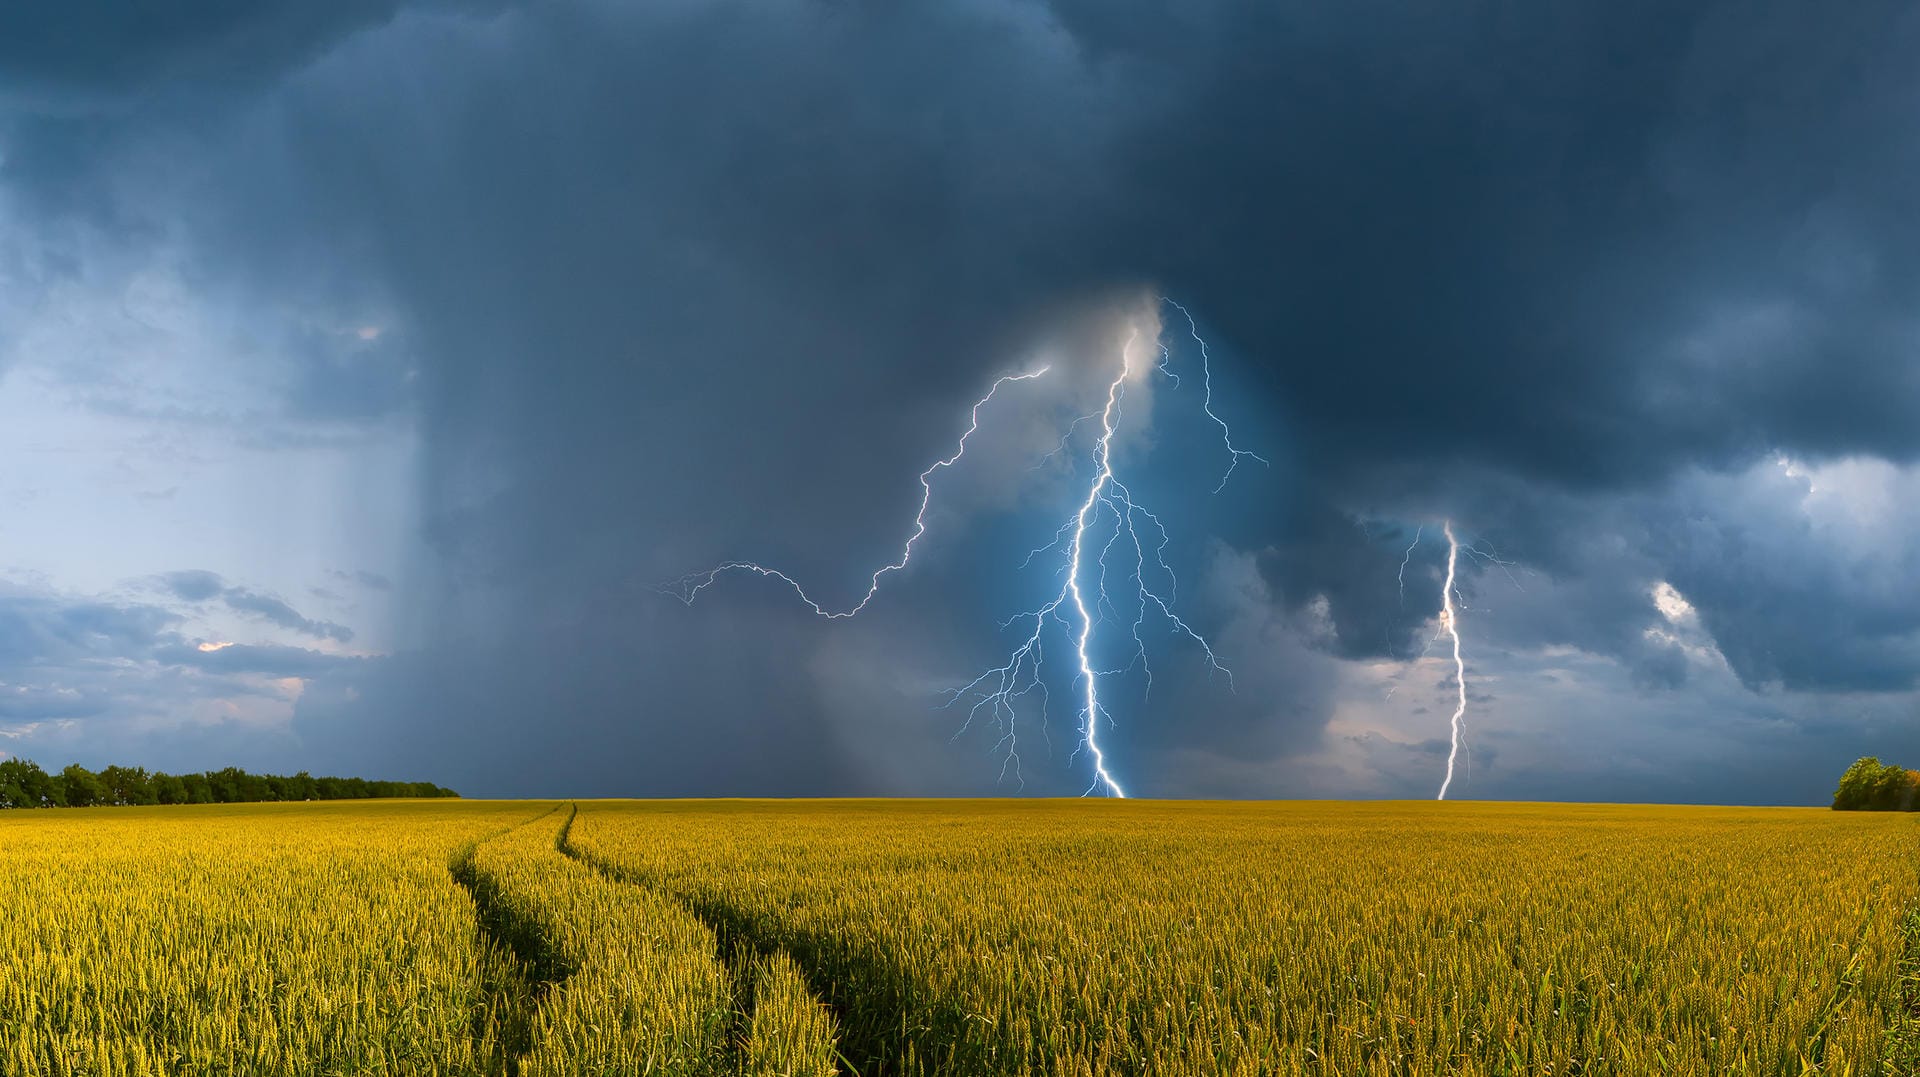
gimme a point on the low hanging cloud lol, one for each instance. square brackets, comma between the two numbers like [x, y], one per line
[112, 680]
[199, 585]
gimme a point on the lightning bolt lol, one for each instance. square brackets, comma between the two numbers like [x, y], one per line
[1450, 624]
[1417, 533]
[1084, 600]
[1451, 605]
[1206, 378]
[1108, 500]
[1102, 479]
[687, 588]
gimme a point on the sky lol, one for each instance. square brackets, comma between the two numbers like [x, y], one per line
[369, 371]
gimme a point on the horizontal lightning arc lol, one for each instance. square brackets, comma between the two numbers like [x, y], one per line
[687, 588]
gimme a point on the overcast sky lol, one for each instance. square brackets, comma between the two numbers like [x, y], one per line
[365, 367]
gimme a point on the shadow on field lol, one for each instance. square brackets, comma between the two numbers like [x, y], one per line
[519, 966]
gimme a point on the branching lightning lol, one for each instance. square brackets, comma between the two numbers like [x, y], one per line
[1108, 499]
[687, 588]
[1206, 377]
[1085, 600]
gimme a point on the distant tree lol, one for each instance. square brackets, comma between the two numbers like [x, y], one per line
[12, 795]
[128, 785]
[1856, 789]
[199, 790]
[231, 785]
[1870, 785]
[83, 788]
[24, 785]
[169, 789]
[1892, 789]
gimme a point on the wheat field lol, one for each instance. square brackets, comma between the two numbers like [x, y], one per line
[806, 938]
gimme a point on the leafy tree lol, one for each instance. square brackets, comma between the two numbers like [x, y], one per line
[199, 790]
[169, 789]
[128, 785]
[83, 788]
[303, 787]
[1870, 785]
[1892, 789]
[1856, 789]
[24, 785]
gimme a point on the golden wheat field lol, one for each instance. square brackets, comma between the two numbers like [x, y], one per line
[957, 938]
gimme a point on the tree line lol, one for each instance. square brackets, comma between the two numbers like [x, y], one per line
[24, 785]
[1870, 785]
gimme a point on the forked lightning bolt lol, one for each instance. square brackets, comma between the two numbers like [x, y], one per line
[1108, 500]
[1084, 600]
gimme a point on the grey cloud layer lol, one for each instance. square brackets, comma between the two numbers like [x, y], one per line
[106, 680]
[199, 585]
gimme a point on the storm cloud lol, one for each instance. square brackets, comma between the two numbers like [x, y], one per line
[1627, 291]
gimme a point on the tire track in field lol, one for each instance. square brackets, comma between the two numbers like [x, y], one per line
[524, 968]
[739, 941]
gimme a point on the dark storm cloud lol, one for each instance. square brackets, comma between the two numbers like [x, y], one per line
[1583, 243]
[91, 51]
[690, 283]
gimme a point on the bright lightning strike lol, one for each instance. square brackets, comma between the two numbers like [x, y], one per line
[1103, 477]
[1450, 624]
[1108, 501]
[1085, 601]
[1451, 604]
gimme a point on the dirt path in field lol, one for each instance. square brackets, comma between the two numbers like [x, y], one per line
[522, 967]
[738, 942]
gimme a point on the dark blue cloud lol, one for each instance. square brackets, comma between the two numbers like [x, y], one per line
[94, 51]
